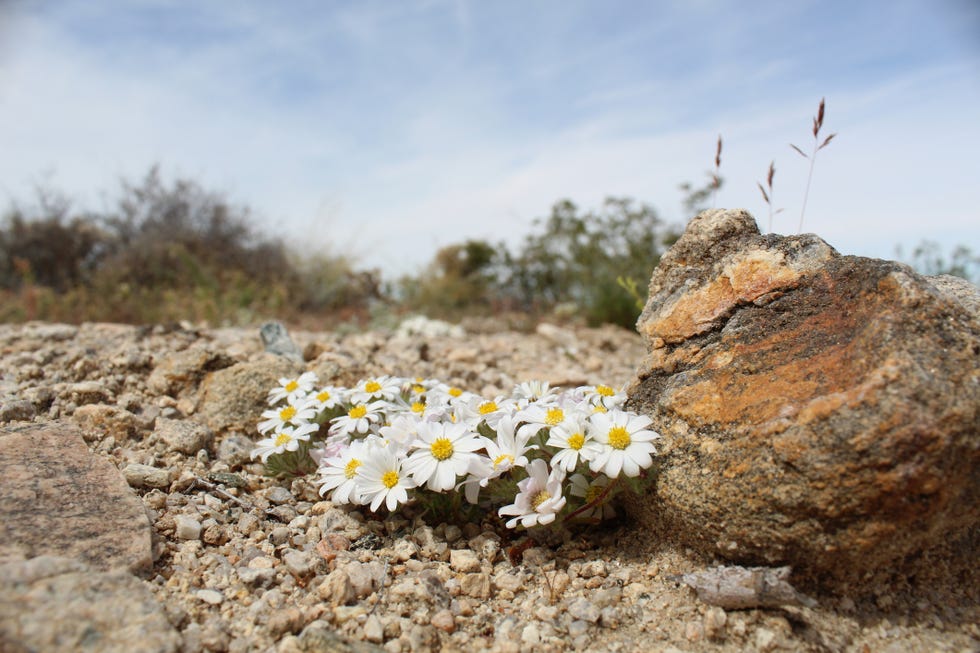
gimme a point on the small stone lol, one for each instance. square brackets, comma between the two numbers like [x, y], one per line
[584, 609]
[364, 577]
[211, 597]
[404, 550]
[464, 560]
[444, 620]
[247, 523]
[299, 563]
[288, 620]
[278, 495]
[235, 450]
[187, 527]
[531, 635]
[279, 535]
[715, 619]
[765, 639]
[183, 435]
[261, 562]
[509, 581]
[476, 585]
[337, 588]
[594, 568]
[16, 409]
[256, 577]
[374, 630]
[146, 476]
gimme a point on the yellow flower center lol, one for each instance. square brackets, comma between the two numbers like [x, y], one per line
[287, 413]
[554, 417]
[455, 392]
[593, 493]
[372, 387]
[576, 441]
[390, 479]
[418, 389]
[418, 407]
[442, 449]
[357, 412]
[323, 396]
[619, 437]
[487, 407]
[283, 438]
[600, 409]
[540, 498]
[604, 390]
[351, 469]
[504, 458]
[291, 386]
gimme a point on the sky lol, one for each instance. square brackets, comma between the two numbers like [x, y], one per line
[385, 130]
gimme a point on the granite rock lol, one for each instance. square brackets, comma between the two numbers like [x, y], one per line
[232, 399]
[818, 410]
[60, 499]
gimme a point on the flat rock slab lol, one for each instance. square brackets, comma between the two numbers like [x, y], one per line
[60, 499]
[818, 410]
[60, 605]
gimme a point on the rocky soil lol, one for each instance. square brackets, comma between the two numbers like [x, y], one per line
[131, 519]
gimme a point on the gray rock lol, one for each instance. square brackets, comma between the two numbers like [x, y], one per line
[183, 435]
[276, 340]
[235, 450]
[584, 610]
[817, 410]
[279, 495]
[13, 409]
[58, 605]
[60, 499]
[138, 475]
[187, 527]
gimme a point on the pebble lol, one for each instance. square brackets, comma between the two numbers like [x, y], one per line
[211, 597]
[444, 620]
[278, 495]
[464, 560]
[299, 563]
[187, 527]
[584, 609]
[140, 476]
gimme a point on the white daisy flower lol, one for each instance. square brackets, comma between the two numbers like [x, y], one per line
[477, 409]
[442, 452]
[338, 474]
[531, 392]
[443, 394]
[382, 479]
[292, 389]
[383, 388]
[626, 443]
[287, 438]
[544, 416]
[539, 499]
[326, 398]
[589, 492]
[503, 454]
[400, 434]
[296, 411]
[574, 442]
[360, 418]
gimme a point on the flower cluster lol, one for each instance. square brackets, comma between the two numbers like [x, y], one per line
[537, 454]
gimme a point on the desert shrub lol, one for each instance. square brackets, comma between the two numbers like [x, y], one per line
[578, 257]
[929, 258]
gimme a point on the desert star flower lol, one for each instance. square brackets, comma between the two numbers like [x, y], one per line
[574, 441]
[503, 454]
[589, 492]
[539, 499]
[295, 412]
[360, 418]
[442, 452]
[626, 443]
[384, 388]
[292, 389]
[382, 479]
[287, 438]
[338, 474]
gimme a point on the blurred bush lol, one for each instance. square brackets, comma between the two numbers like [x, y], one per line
[164, 253]
[570, 264]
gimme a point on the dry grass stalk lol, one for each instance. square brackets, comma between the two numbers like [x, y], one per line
[768, 197]
[817, 146]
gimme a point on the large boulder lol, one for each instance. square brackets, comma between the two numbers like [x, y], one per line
[818, 410]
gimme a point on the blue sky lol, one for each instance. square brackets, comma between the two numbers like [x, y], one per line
[389, 129]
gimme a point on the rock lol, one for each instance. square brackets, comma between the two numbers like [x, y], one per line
[584, 610]
[98, 420]
[183, 435]
[232, 399]
[818, 410]
[235, 450]
[276, 340]
[59, 605]
[183, 369]
[187, 527]
[16, 409]
[464, 560]
[138, 475]
[60, 499]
